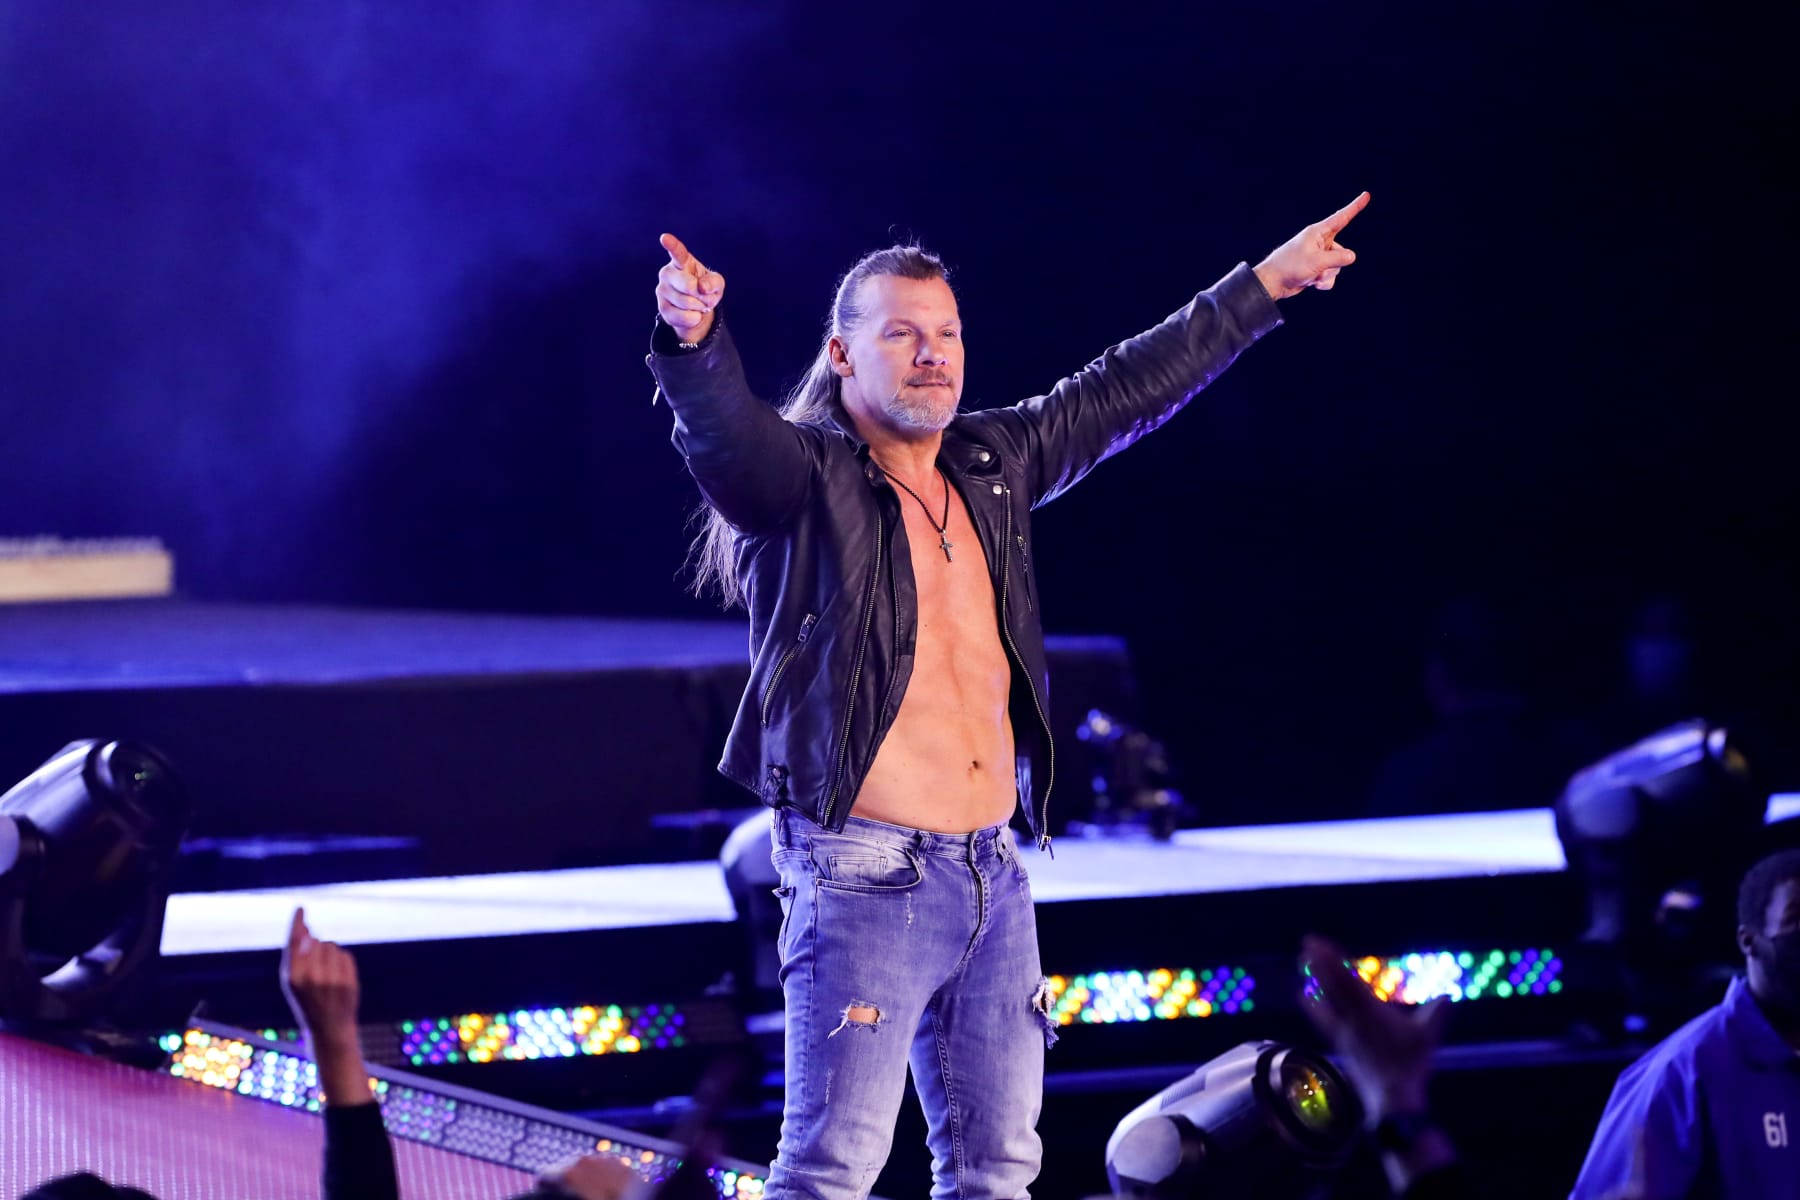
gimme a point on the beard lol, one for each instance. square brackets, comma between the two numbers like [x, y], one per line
[924, 410]
[1781, 969]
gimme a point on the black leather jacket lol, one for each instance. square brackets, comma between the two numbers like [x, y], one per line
[822, 552]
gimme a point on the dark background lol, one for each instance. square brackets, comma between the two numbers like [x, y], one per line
[348, 303]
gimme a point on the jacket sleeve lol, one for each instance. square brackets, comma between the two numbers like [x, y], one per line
[750, 464]
[1133, 387]
[1650, 1140]
[359, 1159]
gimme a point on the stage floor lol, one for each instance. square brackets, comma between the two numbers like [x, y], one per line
[1244, 858]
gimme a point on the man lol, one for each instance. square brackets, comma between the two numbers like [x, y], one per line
[895, 715]
[1713, 1109]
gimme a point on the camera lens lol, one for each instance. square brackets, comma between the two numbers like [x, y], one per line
[1311, 1096]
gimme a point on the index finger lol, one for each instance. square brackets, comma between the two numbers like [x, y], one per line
[1341, 217]
[678, 253]
[1344, 989]
[297, 932]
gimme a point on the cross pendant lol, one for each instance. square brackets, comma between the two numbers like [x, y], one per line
[944, 544]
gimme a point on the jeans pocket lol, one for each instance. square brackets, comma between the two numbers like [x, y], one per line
[1021, 877]
[872, 868]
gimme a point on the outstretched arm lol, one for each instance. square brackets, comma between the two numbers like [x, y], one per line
[749, 463]
[1140, 383]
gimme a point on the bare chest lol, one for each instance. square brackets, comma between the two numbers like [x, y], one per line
[957, 613]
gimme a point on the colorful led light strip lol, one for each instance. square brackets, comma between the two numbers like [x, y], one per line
[1165, 994]
[518, 1036]
[418, 1113]
[542, 1033]
[1497, 974]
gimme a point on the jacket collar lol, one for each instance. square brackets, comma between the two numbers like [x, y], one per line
[1751, 1035]
[969, 455]
[958, 451]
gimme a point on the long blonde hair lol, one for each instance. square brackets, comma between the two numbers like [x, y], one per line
[818, 399]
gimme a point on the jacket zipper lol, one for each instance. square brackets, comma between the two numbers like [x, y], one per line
[1025, 565]
[775, 677]
[893, 590]
[862, 649]
[1006, 629]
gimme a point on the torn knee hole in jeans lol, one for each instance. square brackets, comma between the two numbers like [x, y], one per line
[1043, 1002]
[858, 1014]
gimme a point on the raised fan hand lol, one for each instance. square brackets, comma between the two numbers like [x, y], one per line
[686, 292]
[1387, 1049]
[320, 982]
[1311, 258]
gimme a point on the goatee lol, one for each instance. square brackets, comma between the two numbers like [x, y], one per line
[920, 412]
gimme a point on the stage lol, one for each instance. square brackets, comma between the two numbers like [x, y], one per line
[514, 821]
[469, 743]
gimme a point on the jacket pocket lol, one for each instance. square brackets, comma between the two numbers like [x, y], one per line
[781, 665]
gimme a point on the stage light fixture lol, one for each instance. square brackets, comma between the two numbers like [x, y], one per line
[86, 843]
[1132, 784]
[1263, 1119]
[751, 880]
[1658, 835]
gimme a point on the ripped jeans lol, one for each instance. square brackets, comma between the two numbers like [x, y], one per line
[901, 947]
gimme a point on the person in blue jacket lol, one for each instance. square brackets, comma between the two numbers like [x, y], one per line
[1713, 1110]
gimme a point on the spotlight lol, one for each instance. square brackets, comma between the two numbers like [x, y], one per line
[1658, 834]
[751, 880]
[1262, 1120]
[86, 842]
